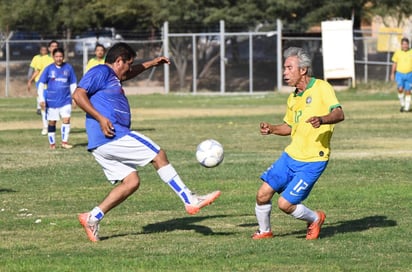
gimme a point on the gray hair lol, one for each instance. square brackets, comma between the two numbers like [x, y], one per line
[303, 58]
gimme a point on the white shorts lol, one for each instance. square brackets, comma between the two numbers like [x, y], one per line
[119, 158]
[53, 114]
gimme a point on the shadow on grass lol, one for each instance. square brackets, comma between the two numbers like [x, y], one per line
[184, 223]
[356, 225]
[5, 190]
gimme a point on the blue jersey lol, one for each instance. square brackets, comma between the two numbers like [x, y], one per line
[58, 81]
[106, 94]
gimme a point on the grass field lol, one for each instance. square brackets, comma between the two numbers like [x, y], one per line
[365, 192]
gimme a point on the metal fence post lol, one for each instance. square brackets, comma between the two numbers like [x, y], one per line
[7, 68]
[194, 52]
[222, 56]
[166, 54]
[279, 54]
[250, 63]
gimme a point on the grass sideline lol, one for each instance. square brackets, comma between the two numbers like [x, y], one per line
[365, 192]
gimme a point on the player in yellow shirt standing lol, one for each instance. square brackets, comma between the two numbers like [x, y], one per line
[99, 52]
[34, 62]
[312, 111]
[402, 74]
[39, 66]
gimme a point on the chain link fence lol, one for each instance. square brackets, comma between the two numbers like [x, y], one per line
[251, 61]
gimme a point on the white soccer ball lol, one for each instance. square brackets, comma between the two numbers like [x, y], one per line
[209, 153]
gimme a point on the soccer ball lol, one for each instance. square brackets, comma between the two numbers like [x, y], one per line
[209, 153]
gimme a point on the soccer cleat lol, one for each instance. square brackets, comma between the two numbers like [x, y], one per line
[65, 145]
[92, 230]
[201, 201]
[44, 131]
[258, 235]
[38, 112]
[52, 146]
[314, 228]
[402, 109]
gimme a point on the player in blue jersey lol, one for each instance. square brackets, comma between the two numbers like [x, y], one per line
[117, 148]
[61, 81]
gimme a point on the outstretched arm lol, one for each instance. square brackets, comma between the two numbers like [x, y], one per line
[141, 67]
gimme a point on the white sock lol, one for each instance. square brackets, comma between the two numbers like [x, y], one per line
[407, 102]
[43, 119]
[401, 97]
[169, 175]
[263, 216]
[96, 215]
[65, 129]
[303, 213]
[52, 137]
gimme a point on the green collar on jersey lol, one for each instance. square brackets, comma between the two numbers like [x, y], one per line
[310, 84]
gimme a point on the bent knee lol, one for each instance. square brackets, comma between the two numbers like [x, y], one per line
[285, 205]
[264, 195]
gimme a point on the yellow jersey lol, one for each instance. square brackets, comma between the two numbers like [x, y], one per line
[403, 60]
[34, 63]
[93, 62]
[42, 63]
[310, 144]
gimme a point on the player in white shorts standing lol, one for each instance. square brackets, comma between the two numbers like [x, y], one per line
[61, 82]
[115, 147]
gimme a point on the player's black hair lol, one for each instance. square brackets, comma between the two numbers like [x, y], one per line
[99, 45]
[58, 50]
[53, 41]
[405, 40]
[121, 49]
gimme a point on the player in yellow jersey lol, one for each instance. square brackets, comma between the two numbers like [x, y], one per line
[34, 62]
[39, 66]
[402, 74]
[99, 52]
[312, 111]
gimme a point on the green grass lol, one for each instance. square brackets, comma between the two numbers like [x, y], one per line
[365, 192]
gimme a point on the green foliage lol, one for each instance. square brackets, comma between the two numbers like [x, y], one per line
[146, 16]
[365, 192]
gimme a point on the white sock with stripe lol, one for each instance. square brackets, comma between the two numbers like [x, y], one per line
[65, 130]
[169, 175]
[96, 215]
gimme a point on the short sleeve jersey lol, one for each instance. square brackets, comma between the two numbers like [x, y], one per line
[58, 80]
[403, 60]
[107, 96]
[42, 63]
[93, 62]
[310, 144]
[35, 63]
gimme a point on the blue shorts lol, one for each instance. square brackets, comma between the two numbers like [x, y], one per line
[293, 179]
[404, 81]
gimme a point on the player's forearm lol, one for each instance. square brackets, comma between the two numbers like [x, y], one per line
[138, 69]
[281, 130]
[335, 116]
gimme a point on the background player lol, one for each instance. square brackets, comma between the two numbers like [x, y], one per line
[61, 82]
[312, 109]
[33, 64]
[41, 64]
[99, 52]
[402, 74]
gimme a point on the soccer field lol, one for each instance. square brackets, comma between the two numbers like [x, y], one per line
[365, 191]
